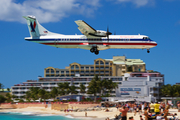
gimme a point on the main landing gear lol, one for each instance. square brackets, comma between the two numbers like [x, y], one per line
[94, 50]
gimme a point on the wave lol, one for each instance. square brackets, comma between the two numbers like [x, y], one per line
[69, 116]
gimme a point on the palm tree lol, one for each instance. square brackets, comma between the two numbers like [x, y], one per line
[169, 90]
[41, 93]
[8, 96]
[61, 89]
[82, 88]
[2, 99]
[111, 85]
[73, 89]
[54, 92]
[94, 87]
[103, 85]
[64, 88]
[28, 95]
[2, 86]
[8, 89]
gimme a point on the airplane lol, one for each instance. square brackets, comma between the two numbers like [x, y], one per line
[93, 40]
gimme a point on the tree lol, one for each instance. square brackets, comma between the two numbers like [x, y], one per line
[2, 86]
[8, 97]
[61, 89]
[111, 85]
[64, 88]
[82, 88]
[2, 99]
[93, 87]
[73, 90]
[103, 85]
[8, 89]
[41, 93]
[169, 90]
[54, 92]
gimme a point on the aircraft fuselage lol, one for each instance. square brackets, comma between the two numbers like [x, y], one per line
[81, 41]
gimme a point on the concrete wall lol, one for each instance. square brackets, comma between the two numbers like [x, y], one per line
[22, 105]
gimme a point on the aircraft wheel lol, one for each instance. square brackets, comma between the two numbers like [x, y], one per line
[92, 50]
[97, 52]
[148, 51]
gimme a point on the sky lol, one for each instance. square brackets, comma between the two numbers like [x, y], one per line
[22, 60]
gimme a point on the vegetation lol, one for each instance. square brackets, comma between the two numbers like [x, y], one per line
[2, 86]
[2, 99]
[170, 90]
[96, 87]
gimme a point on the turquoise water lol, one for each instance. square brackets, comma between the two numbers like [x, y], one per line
[30, 116]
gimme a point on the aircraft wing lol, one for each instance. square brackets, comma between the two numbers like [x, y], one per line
[85, 28]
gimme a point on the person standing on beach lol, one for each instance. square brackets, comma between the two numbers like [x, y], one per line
[166, 112]
[156, 108]
[146, 114]
[85, 114]
[152, 107]
[178, 107]
[124, 113]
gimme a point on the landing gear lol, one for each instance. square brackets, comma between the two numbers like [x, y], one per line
[94, 50]
[148, 51]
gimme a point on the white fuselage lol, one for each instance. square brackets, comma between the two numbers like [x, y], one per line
[103, 43]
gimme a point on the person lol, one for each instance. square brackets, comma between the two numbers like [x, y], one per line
[85, 114]
[176, 116]
[146, 114]
[139, 107]
[124, 113]
[151, 107]
[166, 112]
[135, 109]
[116, 117]
[178, 107]
[131, 118]
[158, 117]
[107, 118]
[141, 117]
[156, 108]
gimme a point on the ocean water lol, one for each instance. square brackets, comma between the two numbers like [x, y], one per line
[32, 116]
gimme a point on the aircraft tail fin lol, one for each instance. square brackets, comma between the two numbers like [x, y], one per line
[35, 29]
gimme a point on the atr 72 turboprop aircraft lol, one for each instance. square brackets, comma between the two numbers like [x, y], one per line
[93, 40]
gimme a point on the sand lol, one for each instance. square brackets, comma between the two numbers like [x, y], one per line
[98, 115]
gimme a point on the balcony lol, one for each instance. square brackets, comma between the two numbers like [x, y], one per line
[123, 69]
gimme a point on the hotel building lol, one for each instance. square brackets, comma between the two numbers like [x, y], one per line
[117, 66]
[130, 74]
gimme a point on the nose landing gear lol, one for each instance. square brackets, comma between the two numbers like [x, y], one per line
[94, 50]
[148, 51]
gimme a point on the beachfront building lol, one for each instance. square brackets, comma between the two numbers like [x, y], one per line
[133, 85]
[117, 66]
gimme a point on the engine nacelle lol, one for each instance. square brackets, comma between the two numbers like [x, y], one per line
[101, 33]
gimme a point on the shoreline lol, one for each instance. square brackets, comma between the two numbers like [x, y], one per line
[98, 115]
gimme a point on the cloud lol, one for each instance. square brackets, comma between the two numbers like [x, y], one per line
[138, 3]
[45, 10]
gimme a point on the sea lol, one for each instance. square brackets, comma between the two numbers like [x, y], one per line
[33, 116]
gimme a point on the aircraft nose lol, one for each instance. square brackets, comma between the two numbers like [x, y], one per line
[155, 43]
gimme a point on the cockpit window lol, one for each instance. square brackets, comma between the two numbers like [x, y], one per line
[146, 38]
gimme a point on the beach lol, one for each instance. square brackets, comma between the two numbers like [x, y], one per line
[98, 115]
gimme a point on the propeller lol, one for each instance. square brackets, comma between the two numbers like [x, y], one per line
[108, 33]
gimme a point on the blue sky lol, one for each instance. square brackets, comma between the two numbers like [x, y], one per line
[23, 60]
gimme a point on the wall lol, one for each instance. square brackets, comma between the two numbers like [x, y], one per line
[57, 106]
[8, 105]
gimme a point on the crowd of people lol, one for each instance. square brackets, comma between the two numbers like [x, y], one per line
[147, 111]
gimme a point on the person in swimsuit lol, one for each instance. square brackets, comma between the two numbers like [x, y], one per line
[146, 114]
[124, 113]
[166, 112]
